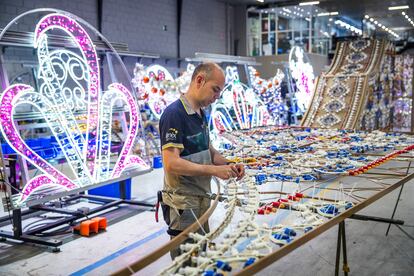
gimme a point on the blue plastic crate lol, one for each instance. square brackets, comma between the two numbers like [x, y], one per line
[112, 190]
[157, 162]
[6, 149]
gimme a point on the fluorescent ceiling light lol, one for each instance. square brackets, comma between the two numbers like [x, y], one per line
[366, 16]
[323, 14]
[327, 13]
[398, 8]
[309, 3]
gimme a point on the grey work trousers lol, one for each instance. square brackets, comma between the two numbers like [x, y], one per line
[178, 220]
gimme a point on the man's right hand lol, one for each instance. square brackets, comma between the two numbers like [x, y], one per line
[226, 171]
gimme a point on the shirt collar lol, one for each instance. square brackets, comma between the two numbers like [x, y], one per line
[187, 106]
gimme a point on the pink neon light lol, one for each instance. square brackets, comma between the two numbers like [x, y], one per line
[84, 42]
[133, 128]
[134, 160]
[17, 143]
[36, 183]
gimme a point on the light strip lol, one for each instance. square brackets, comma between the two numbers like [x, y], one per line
[398, 8]
[348, 27]
[379, 25]
[309, 3]
[408, 18]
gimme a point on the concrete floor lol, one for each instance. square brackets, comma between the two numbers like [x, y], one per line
[370, 252]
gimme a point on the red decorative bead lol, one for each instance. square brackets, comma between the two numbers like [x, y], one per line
[276, 204]
[261, 211]
[300, 195]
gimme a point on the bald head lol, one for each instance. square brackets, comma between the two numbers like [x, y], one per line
[207, 82]
[206, 69]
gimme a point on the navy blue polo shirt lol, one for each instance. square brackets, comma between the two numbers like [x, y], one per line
[181, 127]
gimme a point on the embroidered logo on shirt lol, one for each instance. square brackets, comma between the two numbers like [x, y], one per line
[171, 135]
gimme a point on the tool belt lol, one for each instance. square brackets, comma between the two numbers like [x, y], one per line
[160, 200]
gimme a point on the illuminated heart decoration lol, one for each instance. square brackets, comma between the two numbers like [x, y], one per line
[88, 156]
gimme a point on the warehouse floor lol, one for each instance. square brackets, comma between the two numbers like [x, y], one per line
[370, 252]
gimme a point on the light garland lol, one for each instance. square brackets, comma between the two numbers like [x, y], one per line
[239, 241]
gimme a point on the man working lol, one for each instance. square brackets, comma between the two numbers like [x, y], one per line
[188, 157]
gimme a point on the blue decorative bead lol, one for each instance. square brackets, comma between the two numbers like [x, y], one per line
[223, 266]
[289, 231]
[307, 229]
[329, 209]
[249, 262]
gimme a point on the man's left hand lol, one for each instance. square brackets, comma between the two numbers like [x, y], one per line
[240, 171]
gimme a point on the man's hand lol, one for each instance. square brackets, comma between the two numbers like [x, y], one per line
[240, 171]
[226, 171]
[229, 171]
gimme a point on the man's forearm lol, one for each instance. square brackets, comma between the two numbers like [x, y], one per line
[181, 166]
[217, 158]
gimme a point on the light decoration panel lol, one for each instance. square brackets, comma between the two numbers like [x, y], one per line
[269, 92]
[183, 81]
[238, 108]
[160, 88]
[157, 87]
[231, 74]
[88, 155]
[302, 73]
[403, 75]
